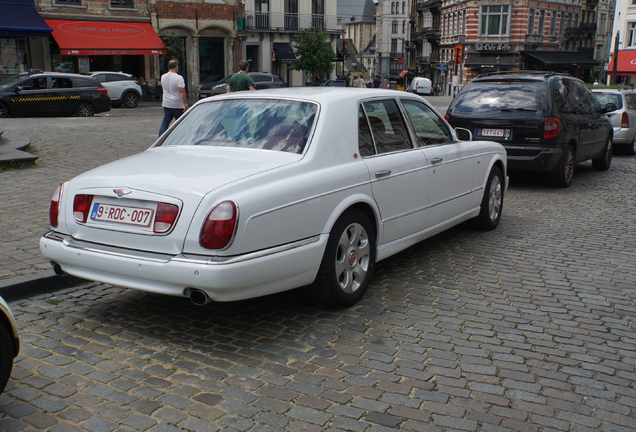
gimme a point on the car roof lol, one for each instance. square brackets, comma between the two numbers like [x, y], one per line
[318, 94]
[525, 74]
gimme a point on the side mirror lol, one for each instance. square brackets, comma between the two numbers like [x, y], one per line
[610, 107]
[463, 134]
[18, 89]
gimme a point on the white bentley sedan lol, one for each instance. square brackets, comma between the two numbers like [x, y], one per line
[253, 193]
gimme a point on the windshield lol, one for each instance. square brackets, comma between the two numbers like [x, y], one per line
[267, 124]
[500, 96]
[11, 81]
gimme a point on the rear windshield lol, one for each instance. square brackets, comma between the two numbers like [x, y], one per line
[498, 96]
[268, 124]
[605, 98]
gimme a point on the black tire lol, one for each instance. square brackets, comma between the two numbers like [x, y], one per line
[4, 111]
[347, 266]
[131, 99]
[6, 356]
[492, 202]
[630, 149]
[564, 172]
[604, 160]
[84, 109]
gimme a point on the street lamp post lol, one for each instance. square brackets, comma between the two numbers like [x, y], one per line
[615, 66]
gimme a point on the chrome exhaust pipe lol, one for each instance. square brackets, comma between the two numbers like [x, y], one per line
[199, 298]
[57, 269]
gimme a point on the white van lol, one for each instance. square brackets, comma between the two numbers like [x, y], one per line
[421, 86]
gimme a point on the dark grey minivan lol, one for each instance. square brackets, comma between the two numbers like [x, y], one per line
[548, 122]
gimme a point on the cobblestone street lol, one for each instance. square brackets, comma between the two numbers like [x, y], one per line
[530, 327]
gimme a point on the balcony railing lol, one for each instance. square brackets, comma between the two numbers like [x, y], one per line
[432, 5]
[290, 22]
[432, 34]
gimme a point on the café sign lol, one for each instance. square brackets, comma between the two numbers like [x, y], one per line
[492, 47]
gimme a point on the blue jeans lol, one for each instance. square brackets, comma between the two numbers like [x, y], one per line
[168, 115]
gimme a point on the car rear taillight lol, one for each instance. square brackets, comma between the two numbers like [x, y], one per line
[103, 91]
[218, 229]
[165, 218]
[81, 207]
[54, 209]
[446, 117]
[624, 120]
[551, 127]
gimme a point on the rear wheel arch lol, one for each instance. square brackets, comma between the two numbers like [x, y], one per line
[4, 110]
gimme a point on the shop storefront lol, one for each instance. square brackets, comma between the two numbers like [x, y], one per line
[625, 67]
[23, 33]
[84, 46]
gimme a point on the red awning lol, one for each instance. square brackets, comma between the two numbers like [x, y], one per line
[626, 63]
[105, 38]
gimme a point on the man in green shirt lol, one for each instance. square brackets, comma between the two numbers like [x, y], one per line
[240, 80]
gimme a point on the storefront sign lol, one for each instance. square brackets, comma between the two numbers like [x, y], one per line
[492, 47]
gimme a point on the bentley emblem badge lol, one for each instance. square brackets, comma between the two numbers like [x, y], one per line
[121, 192]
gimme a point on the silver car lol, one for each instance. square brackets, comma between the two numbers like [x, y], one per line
[9, 343]
[624, 118]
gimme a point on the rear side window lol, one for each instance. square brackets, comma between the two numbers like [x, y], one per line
[387, 126]
[115, 77]
[582, 98]
[500, 96]
[261, 78]
[631, 101]
[61, 83]
[85, 82]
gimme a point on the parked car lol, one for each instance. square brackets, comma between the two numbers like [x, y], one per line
[421, 86]
[253, 193]
[52, 93]
[623, 118]
[123, 88]
[548, 122]
[9, 343]
[66, 68]
[262, 81]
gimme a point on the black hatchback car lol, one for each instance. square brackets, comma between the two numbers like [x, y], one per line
[52, 93]
[548, 122]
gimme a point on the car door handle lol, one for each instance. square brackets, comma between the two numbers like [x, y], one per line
[382, 173]
[436, 161]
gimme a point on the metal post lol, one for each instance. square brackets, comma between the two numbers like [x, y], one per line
[614, 80]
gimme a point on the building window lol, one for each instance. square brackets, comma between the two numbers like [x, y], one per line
[494, 20]
[392, 7]
[394, 27]
[122, 4]
[553, 23]
[403, 26]
[403, 7]
[631, 34]
[602, 27]
[531, 22]
[541, 21]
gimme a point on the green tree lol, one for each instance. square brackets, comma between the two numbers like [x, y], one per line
[175, 46]
[313, 53]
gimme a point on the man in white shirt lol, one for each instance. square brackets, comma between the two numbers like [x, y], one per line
[175, 100]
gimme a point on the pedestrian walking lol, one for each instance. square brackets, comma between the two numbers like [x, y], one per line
[175, 100]
[241, 80]
[377, 82]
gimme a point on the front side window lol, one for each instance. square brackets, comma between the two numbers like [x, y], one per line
[128, 4]
[387, 125]
[494, 19]
[267, 124]
[429, 128]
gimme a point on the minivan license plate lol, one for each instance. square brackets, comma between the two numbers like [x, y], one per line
[121, 214]
[492, 132]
